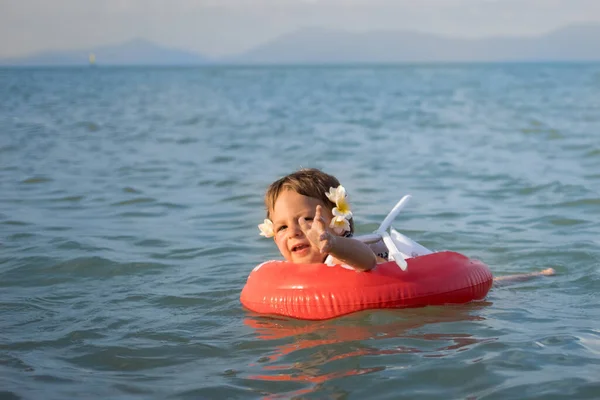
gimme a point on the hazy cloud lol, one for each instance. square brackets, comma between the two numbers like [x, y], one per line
[217, 27]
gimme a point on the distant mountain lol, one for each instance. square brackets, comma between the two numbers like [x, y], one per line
[328, 46]
[134, 52]
[319, 45]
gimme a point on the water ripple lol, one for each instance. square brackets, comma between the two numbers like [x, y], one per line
[129, 199]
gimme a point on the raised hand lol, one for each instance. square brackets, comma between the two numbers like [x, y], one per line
[317, 232]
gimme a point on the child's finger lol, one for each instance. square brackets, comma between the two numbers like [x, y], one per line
[319, 219]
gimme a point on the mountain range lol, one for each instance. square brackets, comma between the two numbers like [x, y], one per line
[133, 52]
[327, 46]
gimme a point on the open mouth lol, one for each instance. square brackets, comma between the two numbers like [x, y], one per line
[299, 247]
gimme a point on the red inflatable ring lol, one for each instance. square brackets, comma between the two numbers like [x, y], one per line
[318, 291]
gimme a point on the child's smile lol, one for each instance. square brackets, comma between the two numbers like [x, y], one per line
[289, 207]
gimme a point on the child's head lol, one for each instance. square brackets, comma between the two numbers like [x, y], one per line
[309, 182]
[297, 196]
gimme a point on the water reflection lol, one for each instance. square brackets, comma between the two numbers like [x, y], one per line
[317, 352]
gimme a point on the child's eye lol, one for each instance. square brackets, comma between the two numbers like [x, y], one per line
[280, 228]
[308, 218]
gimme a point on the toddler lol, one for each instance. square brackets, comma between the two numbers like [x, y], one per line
[310, 219]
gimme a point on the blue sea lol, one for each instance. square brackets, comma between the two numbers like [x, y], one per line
[129, 204]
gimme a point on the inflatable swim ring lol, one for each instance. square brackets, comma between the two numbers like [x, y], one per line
[318, 291]
[414, 277]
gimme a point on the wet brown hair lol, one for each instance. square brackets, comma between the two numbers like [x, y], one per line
[309, 182]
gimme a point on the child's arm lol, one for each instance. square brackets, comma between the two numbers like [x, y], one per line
[506, 280]
[345, 250]
[352, 252]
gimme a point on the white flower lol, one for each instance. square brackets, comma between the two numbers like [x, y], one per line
[338, 196]
[339, 225]
[341, 213]
[266, 228]
[335, 194]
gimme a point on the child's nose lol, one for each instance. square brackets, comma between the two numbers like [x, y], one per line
[294, 230]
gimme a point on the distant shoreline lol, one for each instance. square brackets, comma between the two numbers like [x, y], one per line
[318, 46]
[305, 65]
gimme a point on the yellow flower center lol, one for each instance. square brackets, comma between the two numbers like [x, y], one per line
[343, 206]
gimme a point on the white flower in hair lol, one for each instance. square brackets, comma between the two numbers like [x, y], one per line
[336, 193]
[338, 196]
[341, 212]
[339, 225]
[266, 228]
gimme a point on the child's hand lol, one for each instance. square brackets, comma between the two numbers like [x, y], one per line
[317, 232]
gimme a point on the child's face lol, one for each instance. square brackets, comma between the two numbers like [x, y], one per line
[289, 238]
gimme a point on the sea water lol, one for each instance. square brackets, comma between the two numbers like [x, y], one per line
[130, 198]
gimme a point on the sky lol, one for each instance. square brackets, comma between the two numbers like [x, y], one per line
[222, 27]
